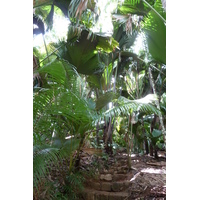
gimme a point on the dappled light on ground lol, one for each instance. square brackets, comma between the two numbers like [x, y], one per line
[153, 171]
[132, 155]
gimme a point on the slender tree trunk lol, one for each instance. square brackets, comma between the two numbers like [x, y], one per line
[97, 134]
[151, 149]
[151, 130]
[146, 146]
[157, 102]
[156, 152]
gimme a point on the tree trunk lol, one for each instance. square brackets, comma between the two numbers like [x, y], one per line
[151, 130]
[97, 134]
[146, 146]
[156, 153]
[157, 102]
[107, 136]
[151, 149]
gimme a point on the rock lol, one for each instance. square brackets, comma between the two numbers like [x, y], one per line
[102, 197]
[117, 186]
[117, 177]
[105, 186]
[96, 186]
[107, 177]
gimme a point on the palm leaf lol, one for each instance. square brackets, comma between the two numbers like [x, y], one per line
[86, 59]
[155, 31]
[44, 156]
[125, 105]
[134, 7]
[104, 99]
[63, 5]
[123, 39]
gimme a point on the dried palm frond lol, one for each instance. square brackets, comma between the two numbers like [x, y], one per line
[77, 7]
[36, 76]
[129, 25]
[35, 63]
[82, 6]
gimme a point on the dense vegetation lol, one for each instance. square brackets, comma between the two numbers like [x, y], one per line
[91, 87]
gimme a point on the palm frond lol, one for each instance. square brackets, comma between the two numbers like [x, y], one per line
[63, 5]
[86, 59]
[124, 106]
[42, 155]
[155, 30]
[62, 102]
[45, 156]
[134, 7]
[104, 99]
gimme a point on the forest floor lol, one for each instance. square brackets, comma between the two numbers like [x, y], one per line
[108, 177]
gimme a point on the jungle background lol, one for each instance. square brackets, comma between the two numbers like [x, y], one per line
[19, 124]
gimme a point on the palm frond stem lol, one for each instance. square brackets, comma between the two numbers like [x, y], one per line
[157, 69]
[155, 12]
[52, 53]
[45, 47]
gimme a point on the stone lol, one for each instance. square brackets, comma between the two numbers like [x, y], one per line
[107, 177]
[96, 186]
[117, 177]
[119, 196]
[90, 196]
[102, 176]
[117, 186]
[102, 197]
[105, 186]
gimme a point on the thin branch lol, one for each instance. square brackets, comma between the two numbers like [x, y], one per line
[151, 66]
[157, 69]
[52, 53]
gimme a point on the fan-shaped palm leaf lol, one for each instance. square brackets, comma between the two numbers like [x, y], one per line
[134, 7]
[83, 52]
[155, 30]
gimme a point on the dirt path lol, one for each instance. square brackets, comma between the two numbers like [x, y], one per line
[109, 178]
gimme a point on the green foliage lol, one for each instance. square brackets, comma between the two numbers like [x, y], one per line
[46, 155]
[104, 99]
[133, 7]
[60, 109]
[125, 106]
[155, 31]
[86, 59]
[86, 63]
[125, 41]
[40, 6]
[42, 155]
[74, 185]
